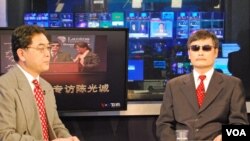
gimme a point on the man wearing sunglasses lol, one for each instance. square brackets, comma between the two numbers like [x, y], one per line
[203, 101]
[57, 55]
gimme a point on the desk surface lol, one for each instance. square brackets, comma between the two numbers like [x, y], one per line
[134, 108]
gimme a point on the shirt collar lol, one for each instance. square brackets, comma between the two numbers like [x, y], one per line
[29, 77]
[208, 75]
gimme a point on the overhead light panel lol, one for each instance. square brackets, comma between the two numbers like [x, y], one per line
[59, 7]
[176, 3]
[136, 3]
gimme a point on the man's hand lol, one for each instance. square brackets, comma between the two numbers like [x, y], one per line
[218, 138]
[73, 138]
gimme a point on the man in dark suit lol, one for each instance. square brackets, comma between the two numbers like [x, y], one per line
[143, 28]
[161, 28]
[133, 28]
[202, 105]
[21, 114]
[57, 55]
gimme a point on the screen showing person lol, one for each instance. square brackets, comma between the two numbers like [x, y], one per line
[143, 28]
[95, 90]
[133, 27]
[159, 49]
[161, 29]
[88, 59]
[57, 55]
[136, 49]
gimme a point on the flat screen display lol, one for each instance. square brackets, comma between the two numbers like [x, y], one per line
[135, 70]
[40, 19]
[189, 22]
[49, 19]
[117, 19]
[102, 88]
[161, 25]
[227, 48]
[221, 65]
[81, 20]
[138, 24]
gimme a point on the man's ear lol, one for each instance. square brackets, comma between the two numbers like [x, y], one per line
[188, 55]
[20, 54]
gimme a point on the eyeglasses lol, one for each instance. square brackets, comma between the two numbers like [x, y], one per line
[54, 45]
[42, 48]
[204, 47]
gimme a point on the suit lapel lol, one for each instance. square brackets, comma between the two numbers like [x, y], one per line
[188, 89]
[27, 99]
[214, 88]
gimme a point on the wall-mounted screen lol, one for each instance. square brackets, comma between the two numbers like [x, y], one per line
[105, 20]
[189, 22]
[221, 65]
[80, 87]
[54, 20]
[138, 24]
[117, 19]
[227, 48]
[161, 25]
[135, 70]
[182, 25]
[49, 19]
[40, 19]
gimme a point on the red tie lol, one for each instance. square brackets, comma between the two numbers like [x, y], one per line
[41, 108]
[200, 91]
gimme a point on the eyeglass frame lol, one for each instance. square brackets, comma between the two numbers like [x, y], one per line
[196, 48]
[41, 49]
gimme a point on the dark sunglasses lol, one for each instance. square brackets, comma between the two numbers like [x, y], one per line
[204, 47]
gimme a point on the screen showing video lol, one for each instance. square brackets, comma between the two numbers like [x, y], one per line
[86, 82]
[161, 25]
[138, 24]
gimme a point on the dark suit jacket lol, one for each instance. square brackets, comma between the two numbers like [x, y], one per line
[19, 117]
[224, 103]
[91, 61]
[62, 57]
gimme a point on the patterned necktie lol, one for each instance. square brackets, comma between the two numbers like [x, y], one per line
[200, 91]
[39, 96]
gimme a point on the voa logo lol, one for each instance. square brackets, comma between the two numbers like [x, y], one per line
[236, 132]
